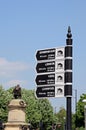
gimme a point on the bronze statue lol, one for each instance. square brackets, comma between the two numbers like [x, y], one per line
[17, 92]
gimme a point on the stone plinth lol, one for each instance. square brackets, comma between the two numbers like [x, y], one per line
[16, 115]
[16, 126]
[16, 111]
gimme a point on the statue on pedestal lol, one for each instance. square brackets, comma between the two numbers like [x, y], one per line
[17, 92]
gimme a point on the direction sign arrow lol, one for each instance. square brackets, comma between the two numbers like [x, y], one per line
[45, 67]
[47, 91]
[45, 79]
[47, 54]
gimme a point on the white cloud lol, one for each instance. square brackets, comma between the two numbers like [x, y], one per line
[13, 73]
[8, 68]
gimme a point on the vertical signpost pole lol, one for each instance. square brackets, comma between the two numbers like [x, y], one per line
[68, 79]
[48, 83]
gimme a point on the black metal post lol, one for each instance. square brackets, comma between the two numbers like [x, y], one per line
[68, 79]
[68, 125]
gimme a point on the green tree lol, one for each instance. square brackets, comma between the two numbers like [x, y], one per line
[37, 110]
[79, 120]
[61, 118]
[32, 112]
[46, 111]
[4, 99]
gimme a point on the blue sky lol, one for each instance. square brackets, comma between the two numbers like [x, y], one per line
[27, 26]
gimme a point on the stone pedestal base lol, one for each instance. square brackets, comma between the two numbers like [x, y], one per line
[16, 126]
[16, 116]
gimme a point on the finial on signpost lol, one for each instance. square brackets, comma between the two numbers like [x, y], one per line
[69, 37]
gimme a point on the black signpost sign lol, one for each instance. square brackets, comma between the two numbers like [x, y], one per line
[45, 67]
[45, 79]
[47, 91]
[50, 71]
[47, 54]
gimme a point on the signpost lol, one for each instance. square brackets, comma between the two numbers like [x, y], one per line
[50, 54]
[45, 67]
[46, 91]
[50, 78]
[50, 66]
[47, 54]
[45, 79]
[50, 72]
[54, 74]
[50, 91]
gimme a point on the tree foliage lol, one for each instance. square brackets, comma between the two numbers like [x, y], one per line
[79, 116]
[40, 110]
[4, 99]
[37, 110]
[61, 115]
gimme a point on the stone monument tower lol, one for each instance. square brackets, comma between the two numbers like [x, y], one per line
[16, 114]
